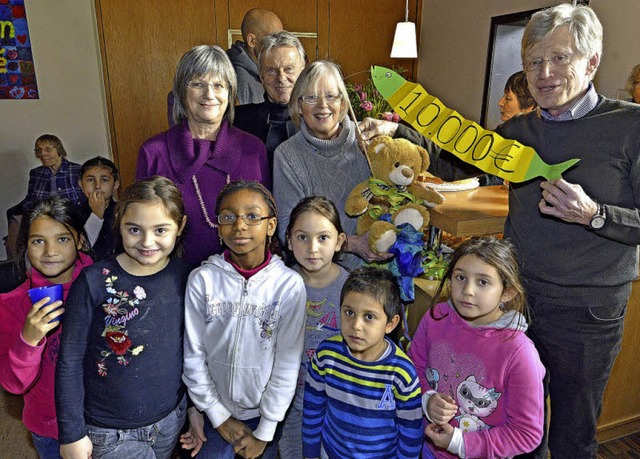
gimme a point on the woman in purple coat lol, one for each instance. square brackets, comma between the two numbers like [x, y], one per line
[203, 152]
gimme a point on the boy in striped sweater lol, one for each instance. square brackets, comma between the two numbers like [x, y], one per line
[362, 395]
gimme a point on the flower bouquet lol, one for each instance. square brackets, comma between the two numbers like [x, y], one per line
[367, 101]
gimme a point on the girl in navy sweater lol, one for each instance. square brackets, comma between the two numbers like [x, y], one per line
[118, 386]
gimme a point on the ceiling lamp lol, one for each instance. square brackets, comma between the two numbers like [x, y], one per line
[404, 40]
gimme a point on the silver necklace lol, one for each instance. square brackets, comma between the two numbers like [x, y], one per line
[201, 201]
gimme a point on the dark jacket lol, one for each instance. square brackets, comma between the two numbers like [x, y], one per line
[257, 119]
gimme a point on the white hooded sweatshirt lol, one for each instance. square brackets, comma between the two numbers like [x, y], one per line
[243, 342]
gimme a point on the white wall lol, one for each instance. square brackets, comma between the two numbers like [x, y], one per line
[68, 71]
[621, 39]
[455, 41]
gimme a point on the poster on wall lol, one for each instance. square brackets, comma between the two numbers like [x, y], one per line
[17, 72]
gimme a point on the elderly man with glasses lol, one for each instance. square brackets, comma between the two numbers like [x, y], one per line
[577, 236]
[281, 60]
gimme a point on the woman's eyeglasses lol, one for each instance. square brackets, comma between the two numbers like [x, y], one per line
[313, 99]
[201, 86]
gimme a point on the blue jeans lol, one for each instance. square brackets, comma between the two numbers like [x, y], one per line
[578, 346]
[47, 447]
[149, 442]
[217, 447]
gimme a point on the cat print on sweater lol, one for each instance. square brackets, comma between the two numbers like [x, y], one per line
[475, 402]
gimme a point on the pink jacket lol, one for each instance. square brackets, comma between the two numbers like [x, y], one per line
[30, 370]
[494, 374]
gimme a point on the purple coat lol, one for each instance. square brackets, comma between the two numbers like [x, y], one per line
[234, 155]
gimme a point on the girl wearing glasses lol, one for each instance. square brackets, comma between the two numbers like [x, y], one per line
[245, 313]
[203, 151]
[323, 158]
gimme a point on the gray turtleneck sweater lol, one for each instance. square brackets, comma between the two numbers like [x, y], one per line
[307, 166]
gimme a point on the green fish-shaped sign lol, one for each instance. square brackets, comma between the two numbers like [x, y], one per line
[467, 140]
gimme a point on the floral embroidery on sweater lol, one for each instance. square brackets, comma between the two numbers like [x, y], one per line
[119, 308]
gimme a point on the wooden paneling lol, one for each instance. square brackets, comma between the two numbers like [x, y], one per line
[361, 33]
[355, 33]
[621, 409]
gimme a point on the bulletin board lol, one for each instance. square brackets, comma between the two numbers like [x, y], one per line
[17, 71]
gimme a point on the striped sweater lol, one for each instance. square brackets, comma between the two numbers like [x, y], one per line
[358, 409]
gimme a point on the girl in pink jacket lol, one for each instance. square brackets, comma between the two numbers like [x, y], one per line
[49, 241]
[481, 376]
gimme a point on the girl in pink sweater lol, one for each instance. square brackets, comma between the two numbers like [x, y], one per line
[480, 374]
[30, 333]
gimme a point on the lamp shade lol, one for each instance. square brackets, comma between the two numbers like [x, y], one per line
[404, 41]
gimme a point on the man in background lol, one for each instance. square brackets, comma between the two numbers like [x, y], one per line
[256, 24]
[281, 60]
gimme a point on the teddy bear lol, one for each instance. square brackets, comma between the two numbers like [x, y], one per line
[391, 196]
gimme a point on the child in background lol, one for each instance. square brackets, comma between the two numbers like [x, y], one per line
[118, 383]
[99, 182]
[362, 396]
[314, 235]
[50, 237]
[244, 330]
[480, 374]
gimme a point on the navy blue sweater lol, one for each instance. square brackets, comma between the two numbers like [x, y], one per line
[120, 362]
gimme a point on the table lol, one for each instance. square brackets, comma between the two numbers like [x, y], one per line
[475, 212]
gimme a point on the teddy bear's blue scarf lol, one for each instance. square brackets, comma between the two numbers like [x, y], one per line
[407, 261]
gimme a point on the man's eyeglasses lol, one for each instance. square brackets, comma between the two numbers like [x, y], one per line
[313, 99]
[249, 219]
[557, 60]
[201, 86]
[47, 149]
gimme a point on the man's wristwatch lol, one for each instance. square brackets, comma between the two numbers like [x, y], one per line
[598, 220]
